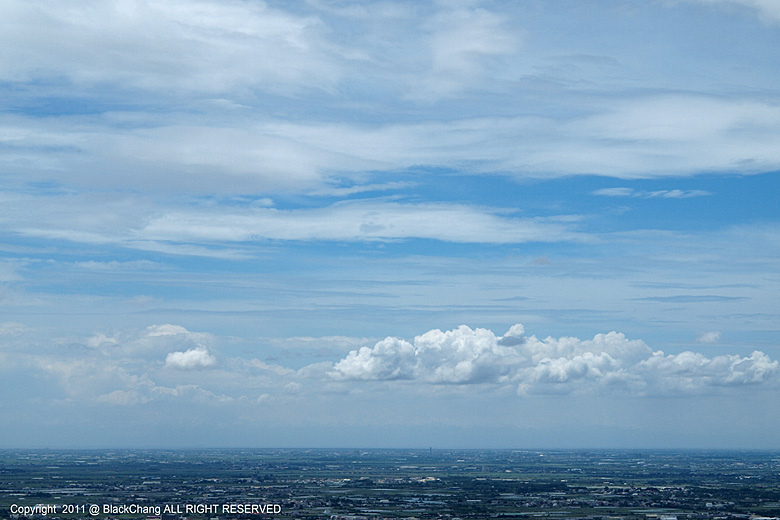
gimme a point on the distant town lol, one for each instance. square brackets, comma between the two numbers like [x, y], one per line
[389, 484]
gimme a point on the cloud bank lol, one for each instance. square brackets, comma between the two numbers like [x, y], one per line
[125, 368]
[550, 365]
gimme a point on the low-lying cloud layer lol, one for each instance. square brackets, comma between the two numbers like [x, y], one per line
[563, 365]
[440, 379]
[170, 363]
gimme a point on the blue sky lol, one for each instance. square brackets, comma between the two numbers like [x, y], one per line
[390, 224]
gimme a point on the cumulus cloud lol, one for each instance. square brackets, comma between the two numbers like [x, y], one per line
[514, 336]
[123, 368]
[149, 341]
[462, 355]
[391, 358]
[168, 335]
[191, 359]
[692, 371]
[550, 365]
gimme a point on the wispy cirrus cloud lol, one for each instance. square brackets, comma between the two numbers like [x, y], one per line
[691, 298]
[709, 337]
[365, 221]
[137, 224]
[662, 194]
[12, 328]
[766, 9]
[643, 137]
[464, 43]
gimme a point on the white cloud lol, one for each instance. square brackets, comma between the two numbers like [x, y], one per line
[678, 194]
[614, 344]
[171, 46]
[85, 376]
[462, 43]
[767, 9]
[191, 359]
[8, 270]
[276, 369]
[165, 330]
[629, 137]
[189, 230]
[122, 398]
[570, 364]
[101, 340]
[176, 230]
[708, 337]
[118, 266]
[226, 51]
[564, 369]
[664, 194]
[652, 136]
[616, 192]
[123, 368]
[292, 388]
[193, 392]
[754, 369]
[514, 336]
[662, 135]
[12, 328]
[177, 154]
[149, 342]
[391, 358]
[563, 365]
[361, 221]
[462, 355]
[694, 372]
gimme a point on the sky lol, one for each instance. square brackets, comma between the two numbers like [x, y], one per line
[455, 224]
